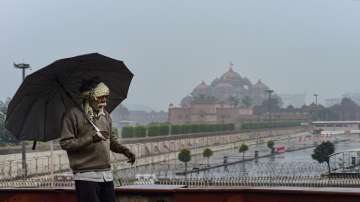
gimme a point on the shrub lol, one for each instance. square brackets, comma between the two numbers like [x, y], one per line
[153, 130]
[176, 129]
[164, 130]
[127, 132]
[140, 131]
[262, 125]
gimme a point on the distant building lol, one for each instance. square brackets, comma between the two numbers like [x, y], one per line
[144, 117]
[121, 116]
[296, 100]
[333, 101]
[354, 96]
[230, 88]
[207, 113]
[228, 99]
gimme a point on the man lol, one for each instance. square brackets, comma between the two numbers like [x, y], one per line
[87, 138]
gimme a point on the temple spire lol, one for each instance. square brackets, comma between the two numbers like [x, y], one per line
[231, 65]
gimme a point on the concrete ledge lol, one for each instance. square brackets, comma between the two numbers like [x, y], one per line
[170, 193]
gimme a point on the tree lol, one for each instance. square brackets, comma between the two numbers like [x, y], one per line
[275, 106]
[290, 108]
[4, 105]
[247, 101]
[184, 156]
[322, 152]
[207, 153]
[243, 148]
[234, 101]
[5, 135]
[349, 109]
[270, 145]
[326, 114]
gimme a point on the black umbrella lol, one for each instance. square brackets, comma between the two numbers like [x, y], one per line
[36, 110]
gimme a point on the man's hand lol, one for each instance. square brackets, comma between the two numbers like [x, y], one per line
[105, 134]
[99, 137]
[96, 138]
[130, 156]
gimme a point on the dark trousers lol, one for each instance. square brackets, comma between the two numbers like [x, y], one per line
[87, 191]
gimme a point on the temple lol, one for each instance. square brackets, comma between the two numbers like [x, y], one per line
[227, 99]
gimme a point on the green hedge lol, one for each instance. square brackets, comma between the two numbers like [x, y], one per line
[164, 130]
[154, 130]
[139, 131]
[261, 125]
[127, 132]
[176, 129]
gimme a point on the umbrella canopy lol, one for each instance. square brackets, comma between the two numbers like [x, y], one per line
[36, 110]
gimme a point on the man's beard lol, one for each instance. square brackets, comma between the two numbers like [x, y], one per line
[102, 105]
[97, 106]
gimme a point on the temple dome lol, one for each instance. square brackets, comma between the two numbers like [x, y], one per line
[224, 85]
[186, 101]
[260, 85]
[202, 86]
[231, 75]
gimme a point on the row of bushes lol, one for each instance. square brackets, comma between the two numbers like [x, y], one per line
[198, 128]
[165, 129]
[262, 125]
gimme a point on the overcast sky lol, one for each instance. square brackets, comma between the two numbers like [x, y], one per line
[302, 46]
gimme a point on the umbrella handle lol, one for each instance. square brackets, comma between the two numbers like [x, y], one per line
[98, 133]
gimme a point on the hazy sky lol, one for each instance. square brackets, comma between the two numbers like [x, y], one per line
[302, 46]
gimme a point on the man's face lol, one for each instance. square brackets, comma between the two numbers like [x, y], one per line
[101, 101]
[98, 103]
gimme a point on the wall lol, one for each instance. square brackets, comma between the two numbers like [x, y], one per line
[177, 194]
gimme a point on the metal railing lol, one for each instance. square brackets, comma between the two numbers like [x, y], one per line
[284, 181]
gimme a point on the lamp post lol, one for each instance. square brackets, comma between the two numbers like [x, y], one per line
[269, 91]
[23, 67]
[316, 98]
[316, 106]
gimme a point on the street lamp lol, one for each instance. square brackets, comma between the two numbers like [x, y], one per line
[23, 66]
[269, 91]
[316, 98]
[313, 110]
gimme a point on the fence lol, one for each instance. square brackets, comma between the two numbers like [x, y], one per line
[36, 165]
[284, 181]
[43, 182]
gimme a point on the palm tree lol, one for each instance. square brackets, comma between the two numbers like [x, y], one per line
[207, 153]
[184, 156]
[243, 148]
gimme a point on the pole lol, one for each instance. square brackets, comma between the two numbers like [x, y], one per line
[52, 162]
[23, 66]
[269, 102]
[269, 91]
[23, 146]
[316, 99]
[316, 104]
